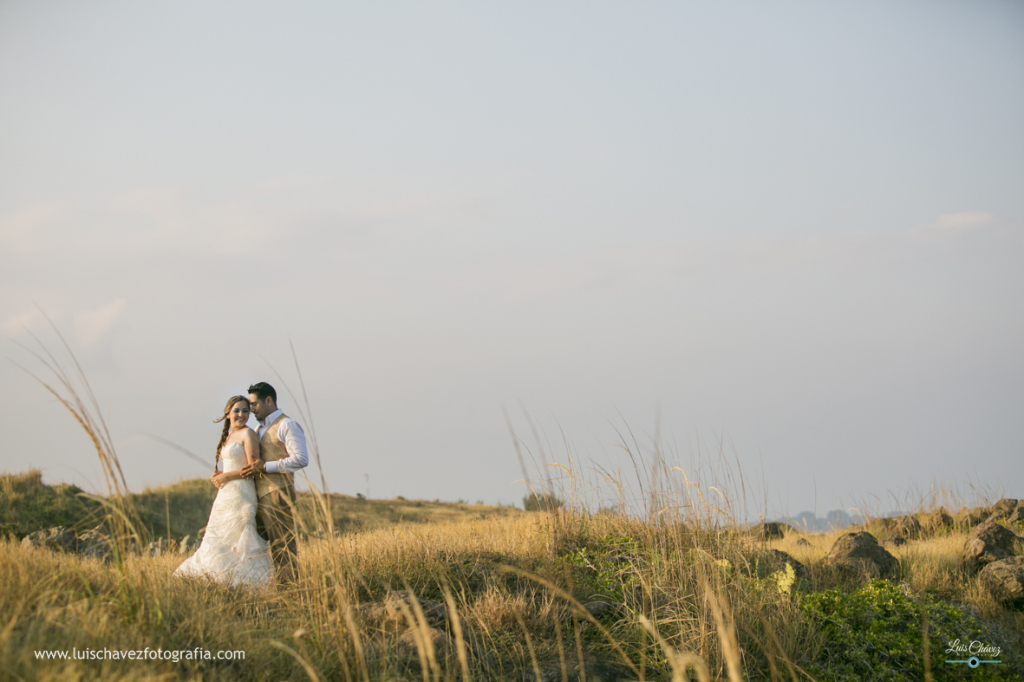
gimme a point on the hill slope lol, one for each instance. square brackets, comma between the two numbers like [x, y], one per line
[27, 504]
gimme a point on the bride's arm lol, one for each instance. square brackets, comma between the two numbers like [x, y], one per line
[252, 447]
[252, 450]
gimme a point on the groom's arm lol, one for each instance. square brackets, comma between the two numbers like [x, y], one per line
[294, 439]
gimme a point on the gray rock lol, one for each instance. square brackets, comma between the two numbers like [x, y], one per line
[802, 542]
[1004, 580]
[1003, 508]
[188, 545]
[96, 544]
[771, 530]
[57, 538]
[389, 612]
[775, 560]
[600, 608]
[412, 639]
[906, 526]
[987, 543]
[860, 553]
[936, 521]
[160, 546]
[969, 518]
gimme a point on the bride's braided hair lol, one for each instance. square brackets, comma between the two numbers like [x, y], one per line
[227, 424]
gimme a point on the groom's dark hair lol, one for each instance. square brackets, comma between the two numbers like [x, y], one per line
[263, 390]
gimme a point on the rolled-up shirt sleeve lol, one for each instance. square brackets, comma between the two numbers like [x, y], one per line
[294, 440]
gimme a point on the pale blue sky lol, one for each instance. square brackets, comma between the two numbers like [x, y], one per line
[800, 224]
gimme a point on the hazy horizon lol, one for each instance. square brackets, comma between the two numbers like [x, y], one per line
[790, 233]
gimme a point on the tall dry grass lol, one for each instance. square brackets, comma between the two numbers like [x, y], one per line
[691, 593]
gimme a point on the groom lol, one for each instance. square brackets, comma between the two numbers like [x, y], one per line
[282, 453]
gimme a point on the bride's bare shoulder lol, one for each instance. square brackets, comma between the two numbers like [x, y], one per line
[247, 435]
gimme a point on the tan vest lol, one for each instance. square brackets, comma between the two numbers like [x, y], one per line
[272, 449]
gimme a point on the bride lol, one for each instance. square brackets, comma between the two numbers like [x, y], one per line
[232, 551]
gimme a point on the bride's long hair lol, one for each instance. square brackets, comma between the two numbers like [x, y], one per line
[227, 424]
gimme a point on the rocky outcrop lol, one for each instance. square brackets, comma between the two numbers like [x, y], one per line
[775, 560]
[92, 544]
[396, 613]
[58, 539]
[969, 518]
[772, 530]
[1004, 580]
[906, 527]
[396, 609]
[188, 545]
[600, 607]
[860, 553]
[1003, 508]
[413, 639]
[987, 543]
[936, 521]
[95, 544]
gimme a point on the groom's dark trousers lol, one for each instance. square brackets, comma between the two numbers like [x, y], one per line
[275, 522]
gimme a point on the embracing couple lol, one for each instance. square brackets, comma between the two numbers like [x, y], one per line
[251, 532]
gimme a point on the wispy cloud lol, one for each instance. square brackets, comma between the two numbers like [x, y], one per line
[18, 323]
[966, 220]
[93, 325]
[19, 230]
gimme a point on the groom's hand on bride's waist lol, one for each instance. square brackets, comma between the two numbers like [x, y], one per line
[255, 469]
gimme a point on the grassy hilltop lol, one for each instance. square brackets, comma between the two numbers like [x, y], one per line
[434, 591]
[182, 509]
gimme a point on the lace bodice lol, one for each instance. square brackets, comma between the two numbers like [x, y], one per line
[233, 455]
[232, 551]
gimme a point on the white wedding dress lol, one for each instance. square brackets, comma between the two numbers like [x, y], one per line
[232, 551]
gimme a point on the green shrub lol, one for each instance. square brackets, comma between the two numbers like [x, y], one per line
[28, 505]
[875, 633]
[541, 502]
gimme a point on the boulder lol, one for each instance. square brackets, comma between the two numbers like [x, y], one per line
[1003, 508]
[936, 521]
[897, 541]
[987, 543]
[802, 542]
[969, 518]
[435, 612]
[96, 544]
[57, 538]
[860, 553]
[1018, 514]
[1004, 580]
[389, 612]
[439, 640]
[415, 642]
[905, 526]
[601, 607]
[775, 560]
[188, 545]
[156, 548]
[771, 530]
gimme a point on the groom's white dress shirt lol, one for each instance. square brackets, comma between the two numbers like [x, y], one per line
[294, 440]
